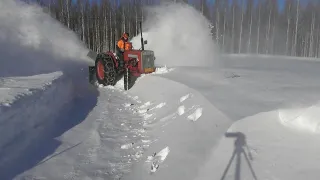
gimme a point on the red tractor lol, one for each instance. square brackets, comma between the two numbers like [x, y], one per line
[136, 62]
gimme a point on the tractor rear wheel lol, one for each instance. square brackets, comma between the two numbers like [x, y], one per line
[105, 69]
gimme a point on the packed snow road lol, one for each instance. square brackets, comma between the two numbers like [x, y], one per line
[98, 147]
[247, 85]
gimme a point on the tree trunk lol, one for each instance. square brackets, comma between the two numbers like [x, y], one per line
[258, 33]
[233, 28]
[268, 33]
[288, 30]
[217, 26]
[224, 27]
[250, 32]
[241, 27]
[296, 30]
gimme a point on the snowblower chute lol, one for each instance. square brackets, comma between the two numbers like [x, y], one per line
[106, 70]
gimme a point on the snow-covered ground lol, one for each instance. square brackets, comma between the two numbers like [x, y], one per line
[186, 122]
[264, 146]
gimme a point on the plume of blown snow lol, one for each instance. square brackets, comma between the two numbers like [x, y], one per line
[179, 35]
[32, 42]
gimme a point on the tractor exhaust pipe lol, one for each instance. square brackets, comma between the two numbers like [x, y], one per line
[142, 42]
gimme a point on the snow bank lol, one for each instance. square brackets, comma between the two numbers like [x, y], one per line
[302, 119]
[273, 151]
[182, 124]
[179, 35]
[283, 57]
[25, 115]
[14, 88]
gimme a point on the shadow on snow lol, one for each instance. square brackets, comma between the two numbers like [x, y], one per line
[45, 143]
[240, 145]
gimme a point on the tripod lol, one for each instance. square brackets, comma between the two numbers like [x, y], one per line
[239, 144]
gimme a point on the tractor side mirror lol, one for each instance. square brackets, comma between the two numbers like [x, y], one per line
[145, 42]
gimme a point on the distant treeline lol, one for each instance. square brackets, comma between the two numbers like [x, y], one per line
[248, 27]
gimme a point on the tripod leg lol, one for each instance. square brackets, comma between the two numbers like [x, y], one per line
[249, 153]
[251, 169]
[229, 164]
[238, 165]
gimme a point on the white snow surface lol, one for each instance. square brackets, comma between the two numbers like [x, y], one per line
[185, 121]
[273, 151]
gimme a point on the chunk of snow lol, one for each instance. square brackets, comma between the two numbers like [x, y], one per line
[127, 104]
[147, 116]
[145, 141]
[145, 105]
[163, 70]
[154, 167]
[138, 154]
[163, 153]
[127, 146]
[195, 115]
[135, 98]
[158, 159]
[142, 111]
[181, 110]
[183, 98]
[160, 105]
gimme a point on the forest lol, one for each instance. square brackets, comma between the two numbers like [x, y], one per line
[237, 26]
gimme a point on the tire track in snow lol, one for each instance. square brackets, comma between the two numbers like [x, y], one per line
[115, 141]
[110, 126]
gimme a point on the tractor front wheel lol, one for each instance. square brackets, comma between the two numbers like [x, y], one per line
[105, 69]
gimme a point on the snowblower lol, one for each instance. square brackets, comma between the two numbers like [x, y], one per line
[106, 70]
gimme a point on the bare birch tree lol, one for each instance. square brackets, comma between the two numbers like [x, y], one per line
[296, 29]
[238, 27]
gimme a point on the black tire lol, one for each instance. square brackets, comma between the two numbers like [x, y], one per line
[108, 76]
[127, 79]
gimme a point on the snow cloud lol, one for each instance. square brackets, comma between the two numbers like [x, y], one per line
[31, 41]
[179, 35]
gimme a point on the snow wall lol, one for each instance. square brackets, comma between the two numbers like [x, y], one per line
[33, 47]
[28, 116]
